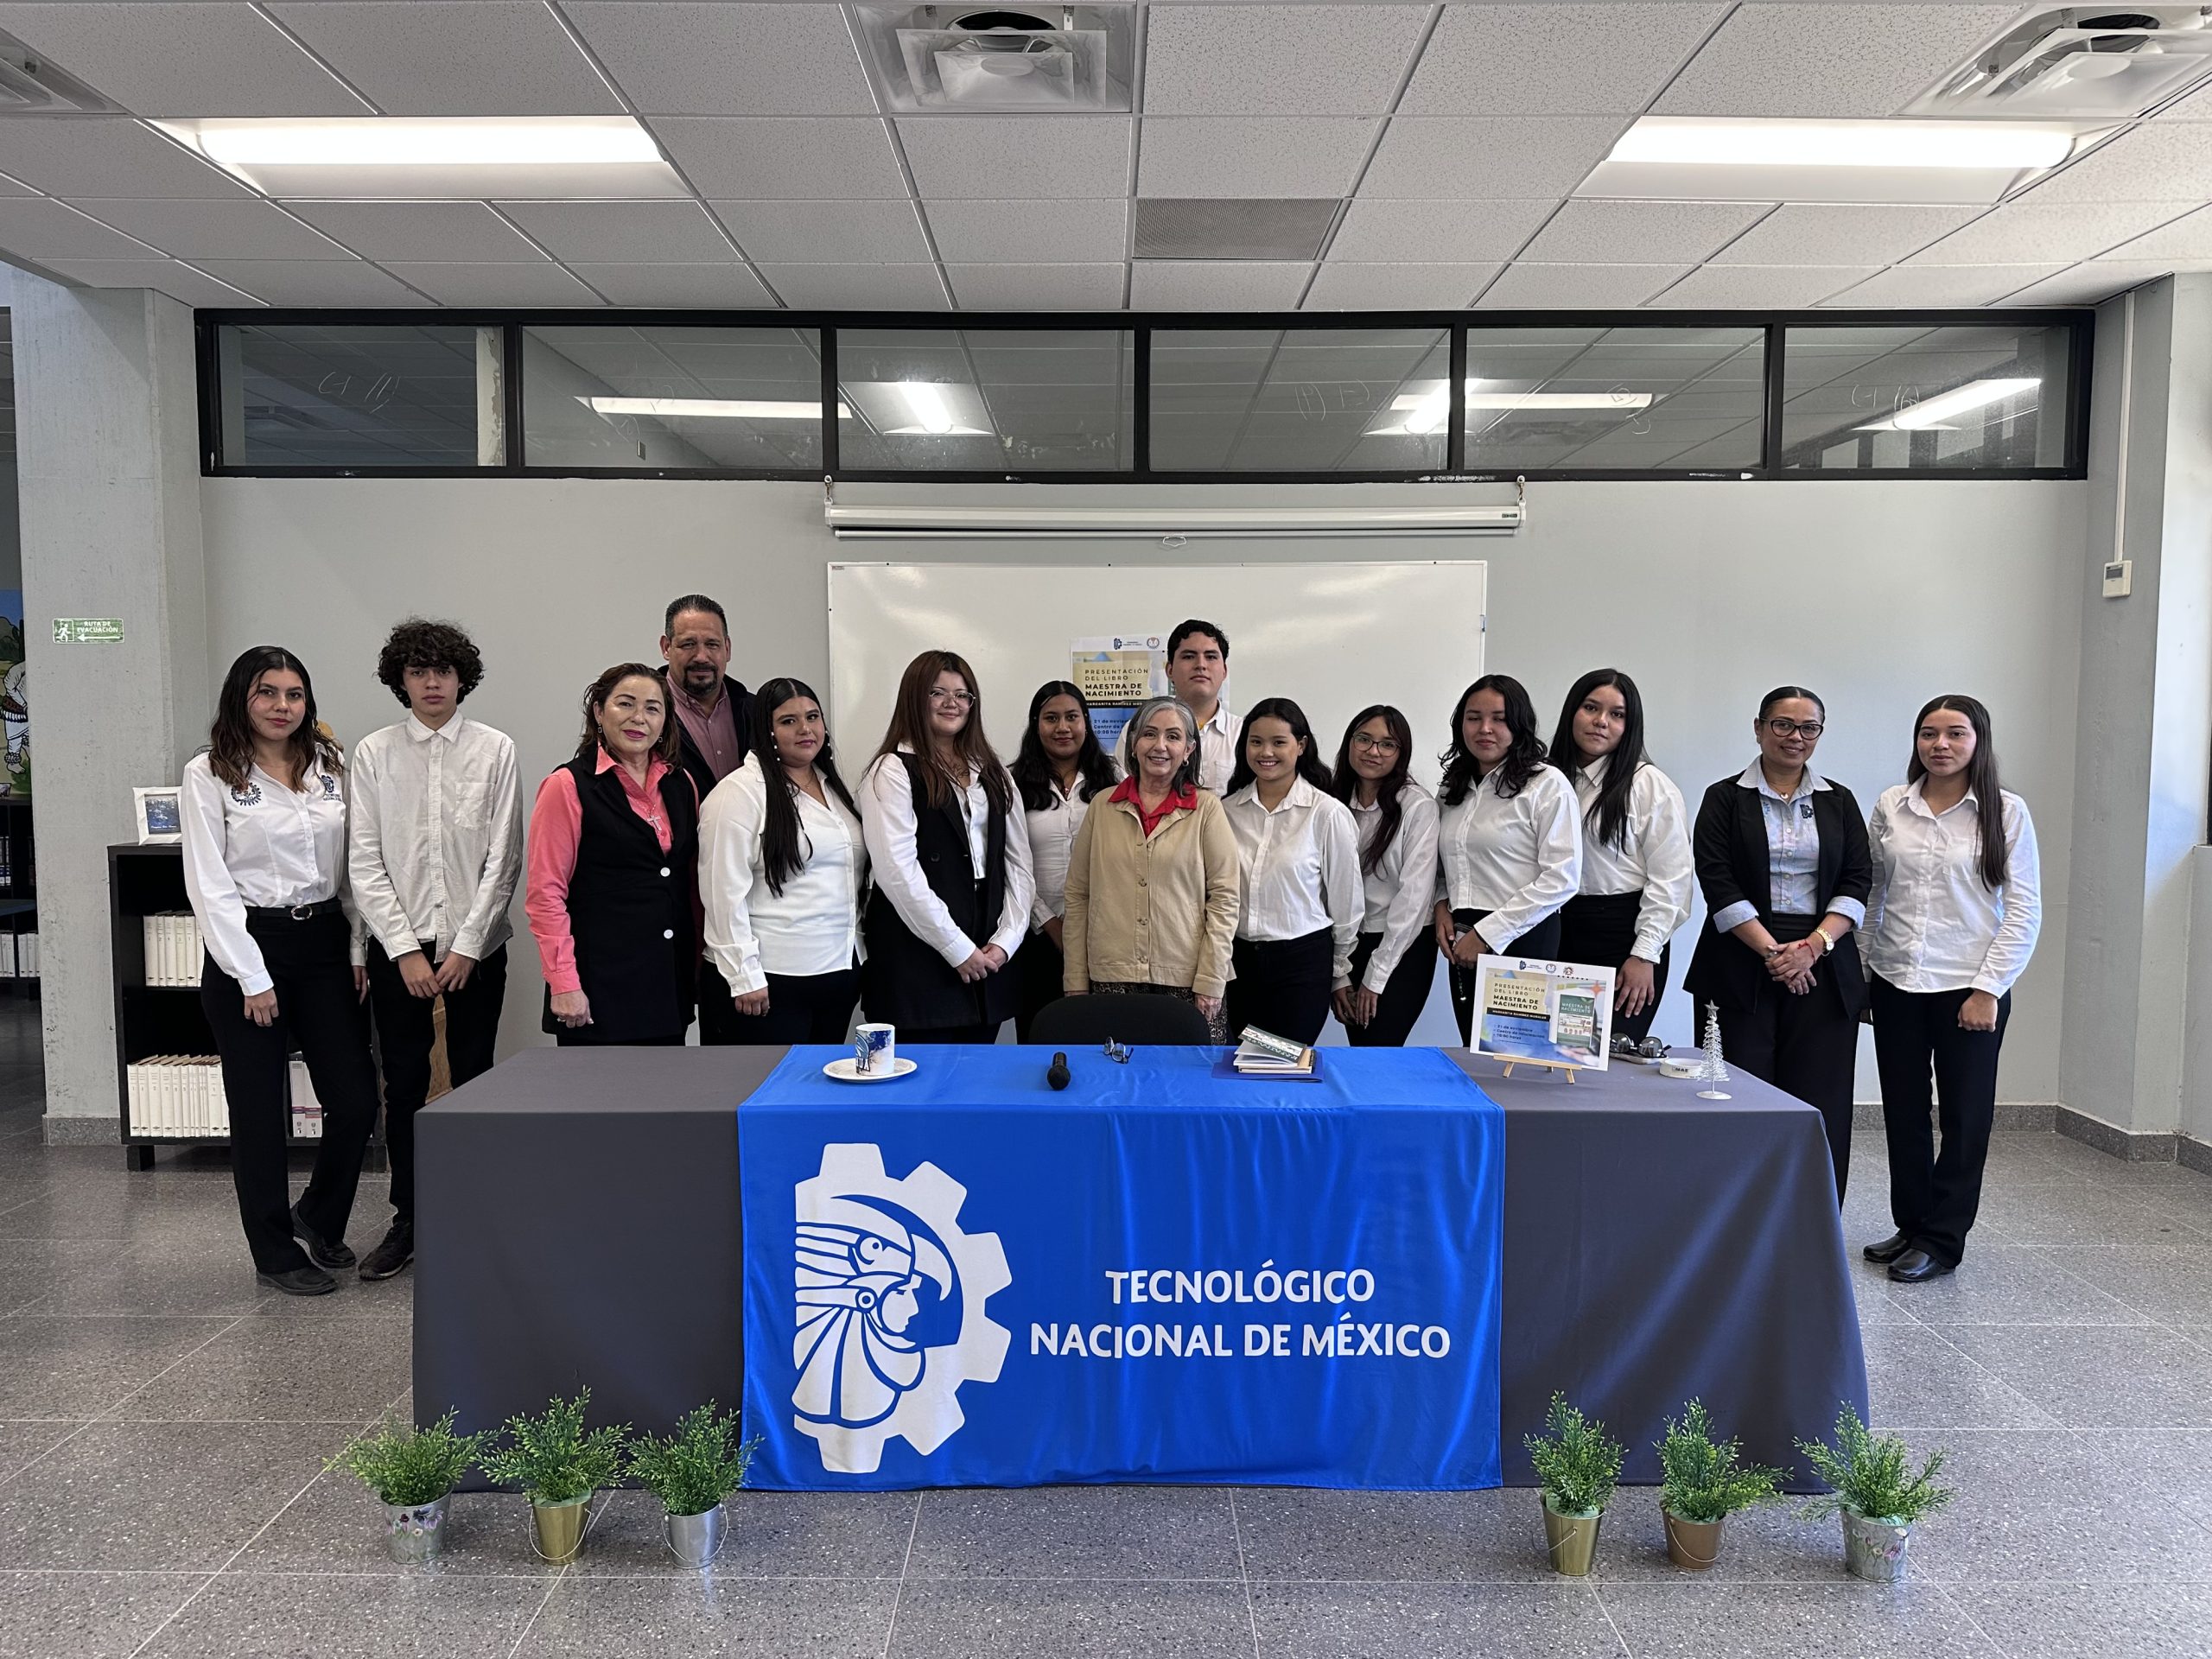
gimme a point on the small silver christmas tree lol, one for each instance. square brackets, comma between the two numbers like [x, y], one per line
[1712, 1071]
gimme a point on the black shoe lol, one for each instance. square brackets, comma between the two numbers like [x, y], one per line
[1889, 1249]
[1915, 1265]
[397, 1250]
[321, 1250]
[299, 1282]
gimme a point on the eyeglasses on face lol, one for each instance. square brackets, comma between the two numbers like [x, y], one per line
[939, 694]
[1379, 745]
[1808, 729]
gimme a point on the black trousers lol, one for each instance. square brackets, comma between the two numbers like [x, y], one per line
[1804, 1045]
[1598, 930]
[406, 1030]
[586, 1036]
[802, 1008]
[1281, 985]
[1541, 941]
[1405, 994]
[1933, 1196]
[1042, 968]
[318, 1013]
[931, 1035]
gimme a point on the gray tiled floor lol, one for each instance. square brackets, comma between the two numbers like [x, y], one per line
[164, 1427]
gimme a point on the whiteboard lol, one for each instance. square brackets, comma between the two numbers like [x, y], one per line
[1334, 637]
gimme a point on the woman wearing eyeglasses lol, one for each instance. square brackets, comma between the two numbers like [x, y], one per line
[1783, 859]
[953, 886]
[1392, 968]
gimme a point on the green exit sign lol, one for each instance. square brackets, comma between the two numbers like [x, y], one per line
[87, 630]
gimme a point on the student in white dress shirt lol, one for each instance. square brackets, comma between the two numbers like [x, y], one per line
[1059, 769]
[434, 849]
[1951, 922]
[263, 811]
[953, 888]
[1391, 971]
[1198, 673]
[782, 866]
[1299, 847]
[1509, 838]
[1637, 874]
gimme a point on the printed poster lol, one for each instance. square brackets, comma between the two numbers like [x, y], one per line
[1546, 1013]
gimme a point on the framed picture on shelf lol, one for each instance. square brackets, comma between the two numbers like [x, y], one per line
[159, 815]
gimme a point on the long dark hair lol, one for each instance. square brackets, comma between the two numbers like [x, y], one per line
[1386, 791]
[1607, 818]
[670, 748]
[783, 848]
[230, 739]
[910, 725]
[1311, 767]
[1033, 768]
[1519, 763]
[1981, 779]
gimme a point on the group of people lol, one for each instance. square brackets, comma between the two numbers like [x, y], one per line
[701, 853]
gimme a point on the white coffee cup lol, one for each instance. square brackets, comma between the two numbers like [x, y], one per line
[875, 1048]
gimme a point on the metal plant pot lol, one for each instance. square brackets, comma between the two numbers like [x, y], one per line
[696, 1540]
[415, 1533]
[1693, 1544]
[1874, 1548]
[560, 1528]
[1572, 1540]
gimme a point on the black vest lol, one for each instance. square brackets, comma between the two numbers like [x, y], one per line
[630, 909]
[905, 981]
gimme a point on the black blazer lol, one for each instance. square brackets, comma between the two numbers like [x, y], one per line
[693, 762]
[1729, 843]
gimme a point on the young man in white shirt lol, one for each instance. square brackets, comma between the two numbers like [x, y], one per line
[1198, 669]
[434, 849]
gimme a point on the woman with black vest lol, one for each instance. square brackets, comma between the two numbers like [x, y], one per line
[612, 872]
[1783, 859]
[951, 854]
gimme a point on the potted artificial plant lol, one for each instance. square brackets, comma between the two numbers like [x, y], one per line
[1703, 1482]
[1577, 1465]
[1876, 1493]
[413, 1471]
[692, 1472]
[558, 1465]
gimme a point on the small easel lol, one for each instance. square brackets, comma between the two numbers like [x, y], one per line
[1547, 1065]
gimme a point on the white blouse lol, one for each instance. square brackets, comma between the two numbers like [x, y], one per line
[1301, 867]
[813, 926]
[261, 846]
[885, 797]
[1931, 926]
[1654, 858]
[1401, 891]
[1051, 838]
[1518, 857]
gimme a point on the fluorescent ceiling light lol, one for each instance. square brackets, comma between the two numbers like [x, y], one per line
[693, 409]
[2010, 146]
[1425, 410]
[932, 412]
[439, 158]
[1929, 414]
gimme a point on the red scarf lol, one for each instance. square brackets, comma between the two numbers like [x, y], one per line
[1178, 800]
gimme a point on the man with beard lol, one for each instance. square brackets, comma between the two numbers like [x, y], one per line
[715, 711]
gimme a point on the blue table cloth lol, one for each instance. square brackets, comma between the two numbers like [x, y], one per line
[962, 1278]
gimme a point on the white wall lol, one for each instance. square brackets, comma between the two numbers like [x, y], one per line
[1877, 594]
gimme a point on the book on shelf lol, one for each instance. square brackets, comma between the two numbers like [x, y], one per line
[7, 956]
[26, 954]
[176, 1096]
[1262, 1053]
[172, 947]
[307, 1110]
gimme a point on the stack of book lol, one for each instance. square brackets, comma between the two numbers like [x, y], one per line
[1263, 1054]
[172, 947]
[177, 1095]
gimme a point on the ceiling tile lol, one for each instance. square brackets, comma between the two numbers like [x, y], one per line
[827, 232]
[10, 188]
[449, 231]
[1423, 233]
[107, 157]
[1827, 59]
[1036, 288]
[1940, 285]
[172, 58]
[178, 281]
[1439, 159]
[1577, 287]
[2086, 285]
[489, 57]
[1554, 60]
[858, 287]
[2058, 232]
[217, 230]
[610, 232]
[1762, 288]
[1080, 232]
[1251, 156]
[781, 158]
[34, 228]
[1275, 60]
[2187, 239]
[312, 281]
[1606, 232]
[1042, 155]
[673, 57]
[725, 284]
[495, 285]
[2149, 163]
[1821, 233]
[1344, 286]
[1205, 285]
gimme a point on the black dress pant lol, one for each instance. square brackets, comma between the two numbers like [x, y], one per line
[1281, 985]
[931, 1035]
[1804, 1045]
[1405, 994]
[319, 1013]
[1042, 968]
[588, 1036]
[1541, 941]
[1598, 931]
[802, 1008]
[1933, 1196]
[406, 1030]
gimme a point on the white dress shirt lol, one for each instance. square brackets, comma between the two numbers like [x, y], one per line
[261, 846]
[1931, 925]
[887, 823]
[1793, 855]
[1401, 890]
[1300, 867]
[1051, 838]
[1519, 856]
[434, 843]
[1653, 858]
[1217, 741]
[813, 926]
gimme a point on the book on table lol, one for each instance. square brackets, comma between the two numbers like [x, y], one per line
[1262, 1053]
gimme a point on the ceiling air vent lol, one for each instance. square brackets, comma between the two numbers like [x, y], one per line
[953, 60]
[1170, 227]
[31, 85]
[2080, 60]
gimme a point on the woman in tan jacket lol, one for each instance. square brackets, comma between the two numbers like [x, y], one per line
[1152, 885]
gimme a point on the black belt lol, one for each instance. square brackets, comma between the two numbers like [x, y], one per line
[293, 912]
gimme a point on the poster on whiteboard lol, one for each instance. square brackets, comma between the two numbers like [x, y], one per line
[1544, 1012]
[1121, 669]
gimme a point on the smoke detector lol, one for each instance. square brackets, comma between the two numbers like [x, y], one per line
[2082, 61]
[30, 85]
[953, 59]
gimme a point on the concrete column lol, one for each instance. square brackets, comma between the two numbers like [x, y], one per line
[109, 476]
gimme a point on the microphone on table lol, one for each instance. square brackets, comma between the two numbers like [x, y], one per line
[1056, 1074]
